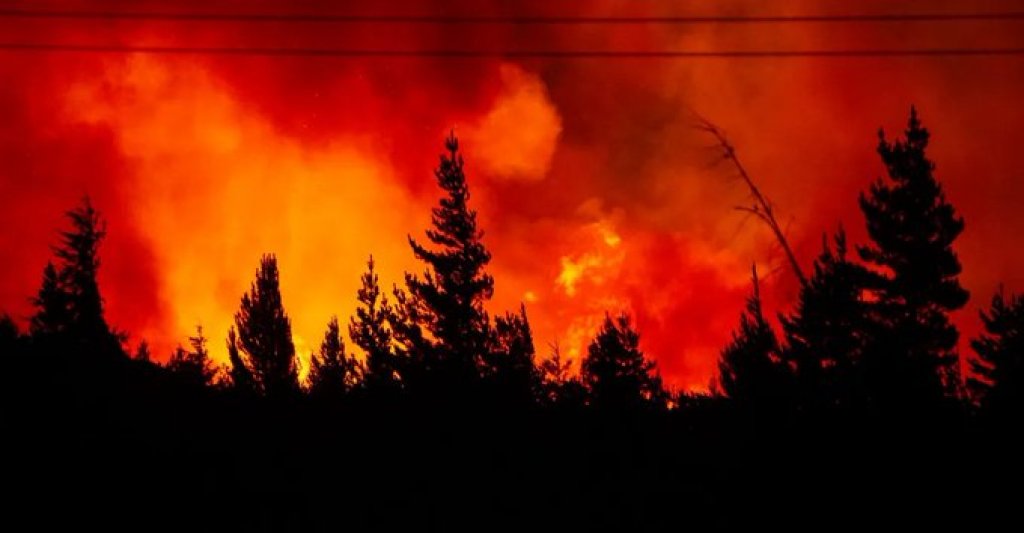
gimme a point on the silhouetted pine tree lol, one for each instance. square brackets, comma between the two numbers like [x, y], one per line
[80, 263]
[449, 298]
[510, 369]
[998, 383]
[557, 384]
[369, 330]
[912, 228]
[53, 306]
[264, 341]
[193, 365]
[615, 371]
[69, 304]
[825, 335]
[750, 370]
[331, 372]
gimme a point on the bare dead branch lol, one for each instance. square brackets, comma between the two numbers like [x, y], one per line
[762, 207]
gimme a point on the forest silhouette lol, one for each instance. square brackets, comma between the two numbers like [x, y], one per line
[423, 411]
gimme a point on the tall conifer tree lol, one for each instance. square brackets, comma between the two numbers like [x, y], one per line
[370, 331]
[912, 229]
[263, 346]
[69, 305]
[449, 297]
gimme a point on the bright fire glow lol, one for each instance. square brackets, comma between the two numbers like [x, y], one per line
[594, 189]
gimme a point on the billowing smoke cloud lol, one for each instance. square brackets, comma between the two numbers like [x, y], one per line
[517, 137]
[594, 188]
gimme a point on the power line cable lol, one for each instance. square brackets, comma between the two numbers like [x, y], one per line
[500, 19]
[524, 54]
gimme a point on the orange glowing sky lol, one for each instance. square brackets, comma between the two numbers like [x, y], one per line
[594, 188]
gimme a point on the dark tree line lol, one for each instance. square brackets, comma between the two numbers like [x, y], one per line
[433, 340]
[867, 334]
[422, 410]
[876, 334]
[436, 340]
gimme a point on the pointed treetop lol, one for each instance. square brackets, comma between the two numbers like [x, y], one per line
[451, 142]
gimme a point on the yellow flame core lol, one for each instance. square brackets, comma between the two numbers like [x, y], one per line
[593, 265]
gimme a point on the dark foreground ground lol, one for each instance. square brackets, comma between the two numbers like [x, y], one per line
[132, 449]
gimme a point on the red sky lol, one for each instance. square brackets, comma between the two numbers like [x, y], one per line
[594, 188]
